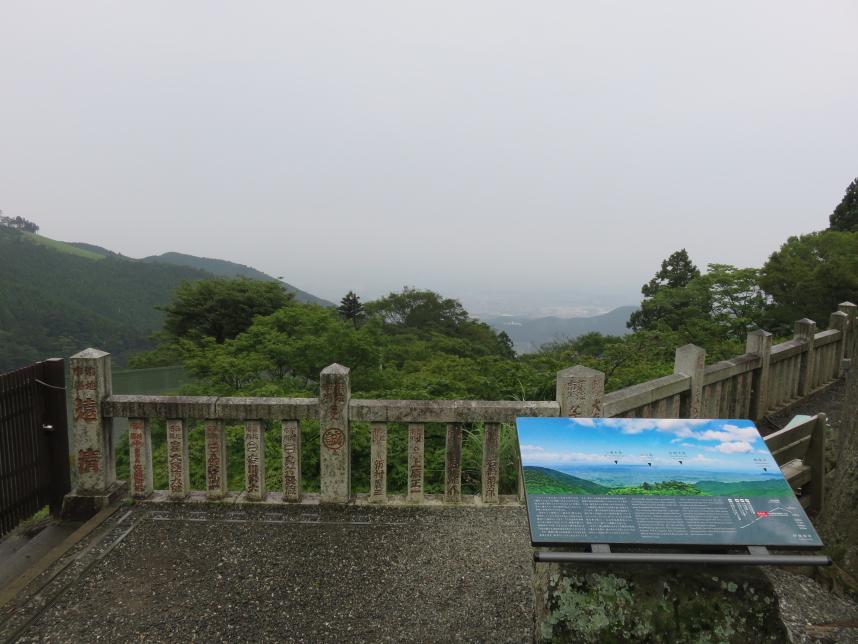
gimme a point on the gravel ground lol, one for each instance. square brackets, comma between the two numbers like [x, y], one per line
[321, 574]
[299, 574]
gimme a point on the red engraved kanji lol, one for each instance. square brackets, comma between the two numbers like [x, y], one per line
[85, 409]
[88, 460]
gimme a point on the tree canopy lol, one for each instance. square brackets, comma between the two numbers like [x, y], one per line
[412, 308]
[18, 223]
[845, 215]
[809, 275]
[667, 296]
[221, 308]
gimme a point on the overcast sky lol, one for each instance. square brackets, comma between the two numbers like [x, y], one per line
[517, 155]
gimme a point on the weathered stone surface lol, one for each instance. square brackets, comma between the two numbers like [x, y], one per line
[335, 457]
[254, 460]
[82, 506]
[660, 389]
[850, 310]
[291, 444]
[178, 476]
[415, 463]
[760, 343]
[448, 411]
[92, 449]
[378, 463]
[453, 464]
[491, 463]
[140, 457]
[805, 331]
[690, 361]
[580, 392]
[839, 321]
[216, 459]
[210, 407]
[608, 603]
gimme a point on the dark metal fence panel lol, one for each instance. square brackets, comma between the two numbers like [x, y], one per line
[34, 466]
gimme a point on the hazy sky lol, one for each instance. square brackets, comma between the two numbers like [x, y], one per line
[512, 154]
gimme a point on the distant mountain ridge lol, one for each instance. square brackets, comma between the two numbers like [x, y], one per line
[219, 267]
[225, 268]
[528, 334]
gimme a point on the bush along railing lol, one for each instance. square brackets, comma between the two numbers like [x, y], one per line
[764, 380]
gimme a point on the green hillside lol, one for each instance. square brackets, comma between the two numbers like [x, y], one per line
[776, 487]
[224, 268]
[544, 480]
[55, 301]
[72, 249]
[57, 298]
[92, 248]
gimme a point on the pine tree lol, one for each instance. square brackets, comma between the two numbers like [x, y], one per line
[667, 294]
[845, 216]
[350, 308]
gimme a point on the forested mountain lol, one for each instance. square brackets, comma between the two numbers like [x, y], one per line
[224, 268]
[528, 334]
[58, 298]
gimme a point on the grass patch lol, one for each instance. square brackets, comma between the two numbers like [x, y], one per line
[62, 246]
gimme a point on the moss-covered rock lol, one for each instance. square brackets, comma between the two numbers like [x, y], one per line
[641, 603]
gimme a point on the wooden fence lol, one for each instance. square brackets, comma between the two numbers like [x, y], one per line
[764, 380]
[34, 470]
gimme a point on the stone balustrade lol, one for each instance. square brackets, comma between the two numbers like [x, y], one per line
[766, 379]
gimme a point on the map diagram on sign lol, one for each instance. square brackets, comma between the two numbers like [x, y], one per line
[656, 481]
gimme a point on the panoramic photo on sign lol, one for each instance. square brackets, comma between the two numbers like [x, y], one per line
[656, 481]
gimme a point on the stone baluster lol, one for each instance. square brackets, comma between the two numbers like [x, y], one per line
[140, 457]
[291, 443]
[415, 463]
[178, 472]
[378, 463]
[491, 463]
[254, 460]
[453, 464]
[216, 460]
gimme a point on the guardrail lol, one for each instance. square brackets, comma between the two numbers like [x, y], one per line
[764, 380]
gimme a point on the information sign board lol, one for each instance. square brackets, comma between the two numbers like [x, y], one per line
[656, 482]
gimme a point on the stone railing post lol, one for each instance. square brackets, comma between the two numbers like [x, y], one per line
[580, 391]
[690, 360]
[840, 321]
[759, 342]
[816, 459]
[335, 457]
[92, 450]
[850, 310]
[805, 329]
